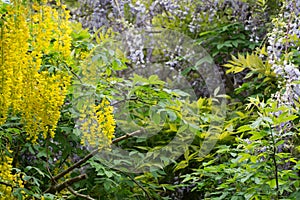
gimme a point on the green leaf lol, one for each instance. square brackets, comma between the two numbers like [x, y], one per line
[156, 118]
[183, 164]
[172, 116]
[28, 168]
[177, 92]
[256, 123]
[49, 196]
[235, 43]
[243, 180]
[42, 153]
[138, 79]
[208, 163]
[182, 128]
[272, 183]
[187, 70]
[205, 33]
[285, 117]
[243, 156]
[109, 174]
[244, 128]
[153, 79]
[257, 135]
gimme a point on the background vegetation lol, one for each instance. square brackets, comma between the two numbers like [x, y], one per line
[51, 105]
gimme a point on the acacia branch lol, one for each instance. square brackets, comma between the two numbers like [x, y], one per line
[127, 135]
[123, 100]
[140, 186]
[77, 164]
[90, 155]
[65, 184]
[75, 193]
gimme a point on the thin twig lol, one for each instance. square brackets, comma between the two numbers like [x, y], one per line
[275, 162]
[139, 185]
[76, 165]
[65, 184]
[76, 76]
[131, 99]
[72, 72]
[127, 135]
[75, 193]
[90, 155]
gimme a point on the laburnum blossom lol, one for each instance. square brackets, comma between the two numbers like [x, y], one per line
[97, 124]
[7, 178]
[29, 33]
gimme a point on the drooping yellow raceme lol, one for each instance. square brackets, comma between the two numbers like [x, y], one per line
[29, 33]
[97, 125]
[33, 38]
[10, 180]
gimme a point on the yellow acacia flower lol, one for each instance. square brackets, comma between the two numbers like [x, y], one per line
[28, 33]
[97, 125]
[6, 176]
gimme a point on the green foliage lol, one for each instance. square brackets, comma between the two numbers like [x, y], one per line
[261, 80]
[226, 39]
[258, 165]
[256, 155]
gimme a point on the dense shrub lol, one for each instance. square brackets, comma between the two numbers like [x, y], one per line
[69, 90]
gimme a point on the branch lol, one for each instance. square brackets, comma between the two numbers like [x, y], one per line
[121, 101]
[77, 164]
[127, 135]
[75, 193]
[57, 188]
[70, 69]
[65, 184]
[274, 161]
[90, 155]
[140, 186]
[6, 184]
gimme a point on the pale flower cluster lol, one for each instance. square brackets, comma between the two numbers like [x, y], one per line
[283, 41]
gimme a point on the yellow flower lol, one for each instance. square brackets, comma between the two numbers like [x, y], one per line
[26, 36]
[6, 176]
[98, 125]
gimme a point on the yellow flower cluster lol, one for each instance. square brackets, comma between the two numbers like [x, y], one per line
[8, 179]
[29, 33]
[98, 125]
[42, 114]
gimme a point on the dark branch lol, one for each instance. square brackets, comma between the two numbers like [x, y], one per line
[90, 155]
[77, 164]
[6, 184]
[65, 184]
[140, 186]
